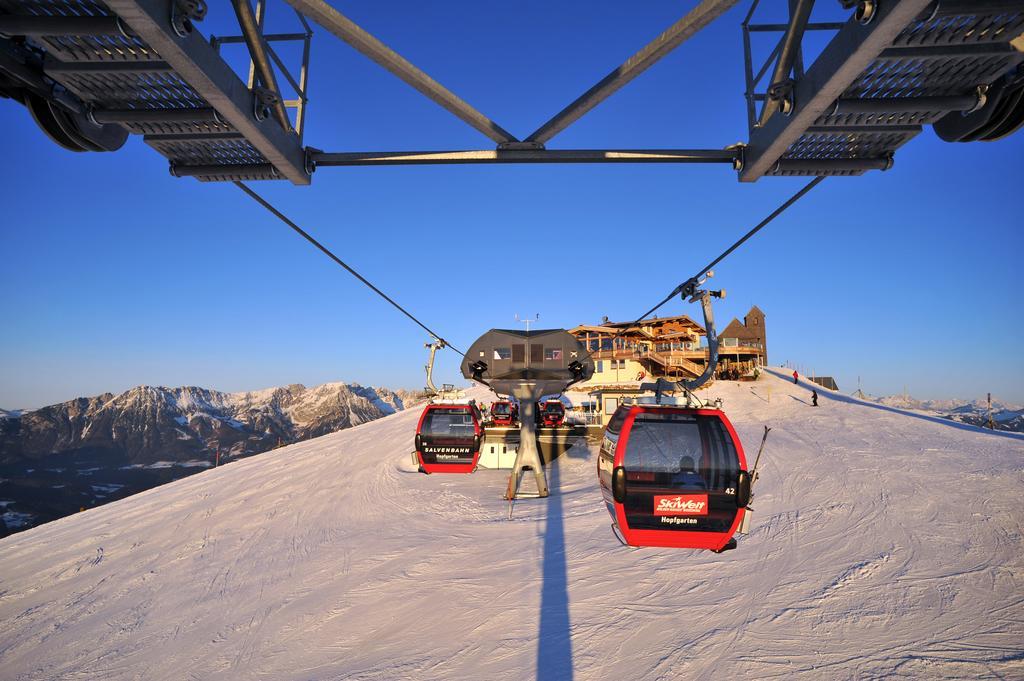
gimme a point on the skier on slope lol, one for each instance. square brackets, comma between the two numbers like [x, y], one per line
[796, 377]
[814, 398]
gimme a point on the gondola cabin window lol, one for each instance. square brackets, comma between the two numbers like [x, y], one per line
[449, 423]
[680, 450]
[618, 418]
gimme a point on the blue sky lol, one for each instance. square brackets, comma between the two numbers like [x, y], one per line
[116, 274]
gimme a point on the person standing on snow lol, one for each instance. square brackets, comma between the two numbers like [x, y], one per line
[814, 398]
[796, 377]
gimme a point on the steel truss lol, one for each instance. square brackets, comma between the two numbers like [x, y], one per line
[92, 71]
[890, 69]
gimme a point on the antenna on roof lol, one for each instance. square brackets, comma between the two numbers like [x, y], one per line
[529, 321]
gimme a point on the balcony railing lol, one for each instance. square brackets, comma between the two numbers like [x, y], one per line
[662, 355]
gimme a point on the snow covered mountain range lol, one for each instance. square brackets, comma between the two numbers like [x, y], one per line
[77, 454]
[148, 424]
[1009, 417]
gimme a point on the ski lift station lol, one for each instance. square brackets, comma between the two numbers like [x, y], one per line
[673, 472]
[582, 504]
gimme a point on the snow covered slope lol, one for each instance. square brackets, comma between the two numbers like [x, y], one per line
[883, 544]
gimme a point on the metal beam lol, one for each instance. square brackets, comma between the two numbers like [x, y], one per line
[53, 65]
[360, 158]
[813, 26]
[234, 170]
[198, 63]
[205, 115]
[811, 166]
[60, 25]
[875, 105]
[193, 137]
[258, 53]
[269, 37]
[851, 129]
[800, 12]
[948, 51]
[678, 33]
[344, 28]
[842, 61]
[975, 7]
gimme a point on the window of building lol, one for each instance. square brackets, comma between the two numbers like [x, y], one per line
[536, 353]
[519, 353]
[553, 354]
[502, 353]
[610, 405]
[600, 365]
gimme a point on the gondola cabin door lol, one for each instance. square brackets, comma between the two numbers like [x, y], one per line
[673, 476]
[448, 438]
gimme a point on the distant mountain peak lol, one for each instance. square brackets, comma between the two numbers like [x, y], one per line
[157, 423]
[1005, 416]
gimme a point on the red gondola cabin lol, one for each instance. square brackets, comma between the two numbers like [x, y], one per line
[673, 476]
[448, 438]
[504, 413]
[550, 414]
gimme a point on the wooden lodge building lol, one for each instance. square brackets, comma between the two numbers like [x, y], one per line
[671, 347]
[749, 334]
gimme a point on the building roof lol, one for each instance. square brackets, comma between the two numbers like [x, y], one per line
[736, 329]
[755, 308]
[637, 328]
[628, 388]
[660, 321]
[591, 328]
[826, 382]
[733, 330]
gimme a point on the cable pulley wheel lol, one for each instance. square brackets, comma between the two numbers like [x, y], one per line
[73, 131]
[1000, 116]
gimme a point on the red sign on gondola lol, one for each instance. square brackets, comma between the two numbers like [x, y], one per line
[681, 504]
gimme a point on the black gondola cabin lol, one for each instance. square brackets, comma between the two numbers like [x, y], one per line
[448, 438]
[673, 476]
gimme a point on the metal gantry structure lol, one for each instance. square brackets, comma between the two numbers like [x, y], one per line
[93, 71]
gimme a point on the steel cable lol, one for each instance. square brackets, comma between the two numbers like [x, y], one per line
[682, 287]
[326, 251]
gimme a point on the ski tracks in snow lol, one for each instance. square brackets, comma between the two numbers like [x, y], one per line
[882, 546]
